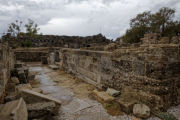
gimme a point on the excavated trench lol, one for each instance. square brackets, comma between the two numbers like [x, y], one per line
[75, 94]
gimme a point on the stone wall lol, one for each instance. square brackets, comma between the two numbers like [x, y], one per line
[59, 41]
[6, 64]
[33, 54]
[152, 69]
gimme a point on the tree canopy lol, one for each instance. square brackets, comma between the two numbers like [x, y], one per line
[160, 22]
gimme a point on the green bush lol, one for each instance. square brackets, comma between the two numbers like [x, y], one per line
[26, 44]
[166, 116]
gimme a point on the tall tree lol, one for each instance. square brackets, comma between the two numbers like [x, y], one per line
[31, 28]
[15, 28]
[160, 22]
[162, 19]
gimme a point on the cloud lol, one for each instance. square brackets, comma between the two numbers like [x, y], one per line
[80, 17]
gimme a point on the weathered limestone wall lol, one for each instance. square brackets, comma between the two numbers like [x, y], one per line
[33, 54]
[6, 64]
[84, 63]
[152, 69]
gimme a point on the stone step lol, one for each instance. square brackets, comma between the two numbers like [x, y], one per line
[15, 110]
[54, 67]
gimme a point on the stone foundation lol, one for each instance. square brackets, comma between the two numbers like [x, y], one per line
[6, 64]
[152, 72]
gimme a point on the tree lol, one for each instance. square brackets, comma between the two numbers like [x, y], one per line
[15, 28]
[160, 22]
[31, 28]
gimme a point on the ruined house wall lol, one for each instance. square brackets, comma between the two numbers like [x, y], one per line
[6, 64]
[33, 54]
[153, 69]
[59, 41]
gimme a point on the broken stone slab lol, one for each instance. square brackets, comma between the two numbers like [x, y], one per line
[20, 87]
[11, 97]
[31, 96]
[42, 109]
[141, 111]
[37, 90]
[15, 80]
[22, 77]
[15, 110]
[54, 67]
[112, 92]
[102, 96]
[126, 104]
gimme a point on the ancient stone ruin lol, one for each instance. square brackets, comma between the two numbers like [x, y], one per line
[141, 80]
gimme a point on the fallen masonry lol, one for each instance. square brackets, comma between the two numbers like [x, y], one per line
[15, 110]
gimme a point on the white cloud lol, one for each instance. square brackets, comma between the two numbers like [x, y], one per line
[7, 8]
[80, 17]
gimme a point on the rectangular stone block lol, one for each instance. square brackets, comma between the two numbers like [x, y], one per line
[42, 110]
[15, 110]
[34, 97]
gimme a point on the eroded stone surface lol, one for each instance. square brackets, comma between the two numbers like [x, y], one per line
[113, 92]
[141, 110]
[15, 110]
[103, 96]
[42, 109]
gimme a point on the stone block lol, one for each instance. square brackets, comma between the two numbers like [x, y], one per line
[102, 96]
[164, 40]
[11, 97]
[113, 92]
[15, 110]
[15, 80]
[42, 109]
[54, 67]
[126, 104]
[141, 111]
[37, 90]
[175, 40]
[10, 87]
[34, 97]
[20, 87]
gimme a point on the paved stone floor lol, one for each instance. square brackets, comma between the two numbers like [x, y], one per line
[74, 94]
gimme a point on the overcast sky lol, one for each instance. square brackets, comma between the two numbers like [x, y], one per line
[80, 17]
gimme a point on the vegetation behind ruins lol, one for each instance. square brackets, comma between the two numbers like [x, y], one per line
[162, 22]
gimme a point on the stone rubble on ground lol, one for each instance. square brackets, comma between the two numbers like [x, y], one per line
[103, 96]
[20, 87]
[14, 110]
[113, 92]
[141, 111]
[54, 67]
[15, 80]
[41, 109]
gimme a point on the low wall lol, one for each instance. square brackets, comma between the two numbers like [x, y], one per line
[6, 64]
[152, 69]
[33, 54]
